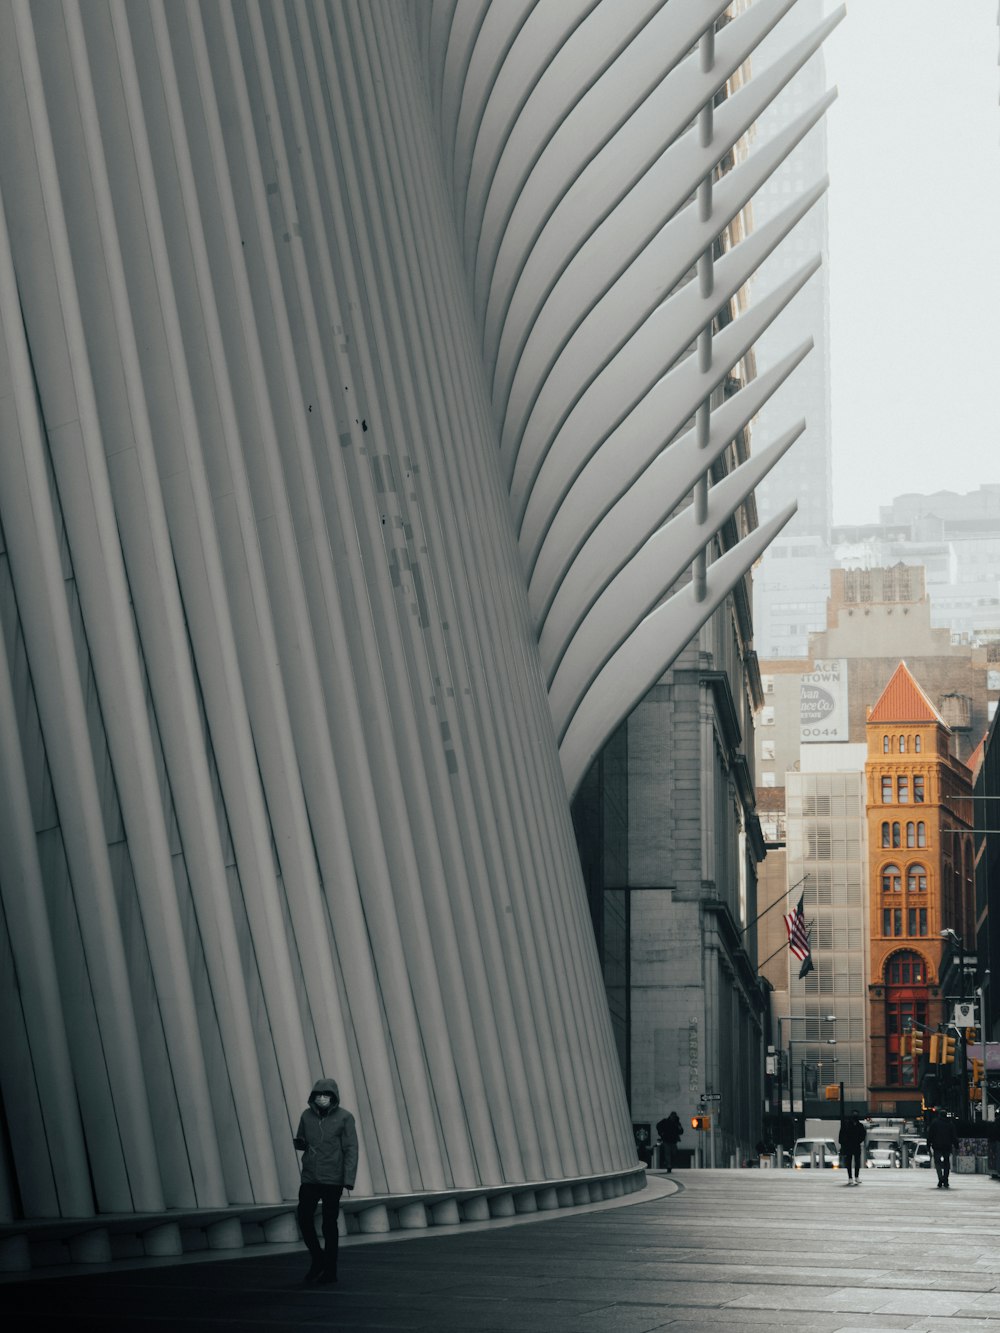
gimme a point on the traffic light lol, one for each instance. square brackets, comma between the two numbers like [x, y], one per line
[977, 1072]
[904, 1045]
[947, 1049]
[701, 1122]
[935, 1051]
[833, 1092]
[970, 1035]
[916, 1043]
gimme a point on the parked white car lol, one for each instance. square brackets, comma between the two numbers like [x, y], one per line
[802, 1153]
[921, 1155]
[882, 1159]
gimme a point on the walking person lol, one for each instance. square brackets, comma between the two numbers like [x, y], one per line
[329, 1141]
[852, 1136]
[670, 1130]
[942, 1139]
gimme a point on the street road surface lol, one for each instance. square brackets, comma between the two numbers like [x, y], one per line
[754, 1250]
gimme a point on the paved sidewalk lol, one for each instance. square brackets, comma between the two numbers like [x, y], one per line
[735, 1250]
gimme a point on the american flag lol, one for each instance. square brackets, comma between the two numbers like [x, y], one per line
[798, 938]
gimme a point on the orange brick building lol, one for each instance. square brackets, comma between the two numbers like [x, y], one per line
[919, 803]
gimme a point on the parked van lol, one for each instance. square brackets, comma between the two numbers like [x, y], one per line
[802, 1153]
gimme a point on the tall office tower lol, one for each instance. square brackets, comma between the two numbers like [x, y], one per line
[825, 852]
[808, 475]
[791, 580]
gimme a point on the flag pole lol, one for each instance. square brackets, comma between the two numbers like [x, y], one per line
[773, 905]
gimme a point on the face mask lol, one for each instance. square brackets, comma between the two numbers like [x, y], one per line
[322, 1102]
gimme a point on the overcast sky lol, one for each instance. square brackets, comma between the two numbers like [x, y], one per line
[914, 151]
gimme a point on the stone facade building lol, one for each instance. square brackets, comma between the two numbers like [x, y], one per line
[921, 879]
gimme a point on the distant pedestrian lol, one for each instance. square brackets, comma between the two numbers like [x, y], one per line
[670, 1130]
[329, 1141]
[942, 1138]
[852, 1136]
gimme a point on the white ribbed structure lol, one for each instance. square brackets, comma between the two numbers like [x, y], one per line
[280, 791]
[579, 135]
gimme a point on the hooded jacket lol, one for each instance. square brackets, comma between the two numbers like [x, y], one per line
[328, 1139]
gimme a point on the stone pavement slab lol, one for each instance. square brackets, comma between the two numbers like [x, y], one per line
[734, 1250]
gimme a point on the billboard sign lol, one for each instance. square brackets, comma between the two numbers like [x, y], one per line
[823, 703]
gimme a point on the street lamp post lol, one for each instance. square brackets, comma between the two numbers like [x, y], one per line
[982, 1040]
[954, 939]
[793, 1018]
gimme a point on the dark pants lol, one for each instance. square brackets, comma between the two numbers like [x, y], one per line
[852, 1160]
[942, 1165]
[329, 1197]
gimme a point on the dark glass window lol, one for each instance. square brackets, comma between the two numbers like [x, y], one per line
[885, 833]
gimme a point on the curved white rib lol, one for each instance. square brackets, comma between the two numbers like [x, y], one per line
[647, 652]
[648, 576]
[631, 512]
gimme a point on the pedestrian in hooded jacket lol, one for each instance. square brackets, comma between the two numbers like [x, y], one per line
[942, 1139]
[329, 1141]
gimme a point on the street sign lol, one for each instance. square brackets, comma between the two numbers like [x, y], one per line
[712, 1097]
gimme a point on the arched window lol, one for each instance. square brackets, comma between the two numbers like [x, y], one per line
[917, 744]
[905, 969]
[885, 833]
[885, 744]
[911, 834]
[921, 833]
[892, 880]
[916, 879]
[895, 834]
[902, 745]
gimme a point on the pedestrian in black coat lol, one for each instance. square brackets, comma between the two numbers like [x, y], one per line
[670, 1130]
[852, 1136]
[942, 1139]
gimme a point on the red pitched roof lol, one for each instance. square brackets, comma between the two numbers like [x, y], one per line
[975, 759]
[903, 700]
